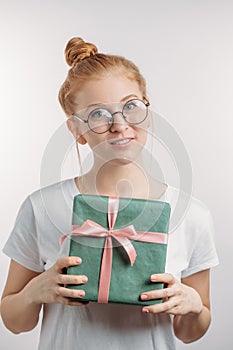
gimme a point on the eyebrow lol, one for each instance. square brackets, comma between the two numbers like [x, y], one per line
[123, 99]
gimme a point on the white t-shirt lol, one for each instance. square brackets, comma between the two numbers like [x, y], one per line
[46, 214]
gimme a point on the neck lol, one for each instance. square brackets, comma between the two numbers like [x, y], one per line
[120, 179]
[124, 180]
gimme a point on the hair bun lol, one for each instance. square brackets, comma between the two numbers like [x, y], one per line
[77, 50]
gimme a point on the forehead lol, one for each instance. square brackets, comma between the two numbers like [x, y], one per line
[106, 90]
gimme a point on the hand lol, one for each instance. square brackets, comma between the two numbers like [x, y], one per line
[48, 287]
[179, 299]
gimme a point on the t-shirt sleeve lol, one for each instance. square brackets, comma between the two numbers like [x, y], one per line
[22, 244]
[203, 253]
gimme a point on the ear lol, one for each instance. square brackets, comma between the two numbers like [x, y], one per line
[149, 121]
[71, 126]
[81, 139]
[74, 131]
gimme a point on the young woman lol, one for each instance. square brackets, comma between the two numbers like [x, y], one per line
[104, 98]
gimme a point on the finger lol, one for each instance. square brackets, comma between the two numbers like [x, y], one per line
[67, 261]
[158, 294]
[69, 293]
[162, 307]
[176, 310]
[163, 277]
[71, 279]
[77, 303]
[66, 301]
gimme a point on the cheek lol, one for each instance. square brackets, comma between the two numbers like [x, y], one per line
[82, 129]
[143, 134]
[93, 139]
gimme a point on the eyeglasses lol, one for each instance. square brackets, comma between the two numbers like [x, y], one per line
[100, 120]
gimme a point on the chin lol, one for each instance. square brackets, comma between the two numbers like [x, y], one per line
[120, 156]
[121, 161]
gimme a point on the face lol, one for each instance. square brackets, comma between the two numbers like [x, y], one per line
[123, 142]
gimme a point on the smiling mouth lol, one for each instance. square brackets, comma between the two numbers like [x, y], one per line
[120, 142]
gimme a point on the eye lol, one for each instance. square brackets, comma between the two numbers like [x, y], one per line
[99, 113]
[130, 106]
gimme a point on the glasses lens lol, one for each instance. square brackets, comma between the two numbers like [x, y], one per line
[100, 120]
[135, 111]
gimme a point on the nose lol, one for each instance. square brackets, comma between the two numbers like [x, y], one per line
[119, 123]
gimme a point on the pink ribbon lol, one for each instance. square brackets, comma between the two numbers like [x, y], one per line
[122, 235]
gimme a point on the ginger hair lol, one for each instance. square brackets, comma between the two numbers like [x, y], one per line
[86, 63]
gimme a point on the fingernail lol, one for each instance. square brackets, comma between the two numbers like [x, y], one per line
[82, 293]
[84, 279]
[78, 260]
[146, 311]
[153, 277]
[144, 297]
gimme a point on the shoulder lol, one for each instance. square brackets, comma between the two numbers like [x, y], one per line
[51, 206]
[52, 192]
[187, 210]
[52, 202]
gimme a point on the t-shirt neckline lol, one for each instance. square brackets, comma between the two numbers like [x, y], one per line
[75, 190]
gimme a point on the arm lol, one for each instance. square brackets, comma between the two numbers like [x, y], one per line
[27, 290]
[188, 301]
[193, 326]
[16, 311]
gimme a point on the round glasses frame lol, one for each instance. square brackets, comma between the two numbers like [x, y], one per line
[111, 121]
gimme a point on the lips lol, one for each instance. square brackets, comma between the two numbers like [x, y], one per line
[120, 141]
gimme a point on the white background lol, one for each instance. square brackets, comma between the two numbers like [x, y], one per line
[184, 48]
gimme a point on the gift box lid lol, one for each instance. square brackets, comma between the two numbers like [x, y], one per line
[145, 215]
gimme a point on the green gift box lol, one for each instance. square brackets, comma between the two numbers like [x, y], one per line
[121, 242]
